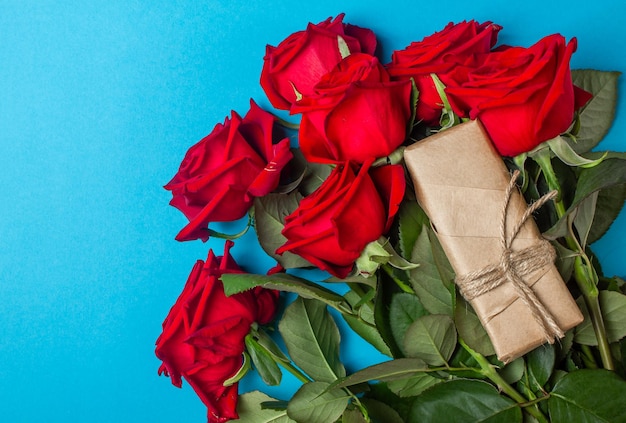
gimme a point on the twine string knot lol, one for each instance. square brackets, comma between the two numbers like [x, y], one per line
[514, 265]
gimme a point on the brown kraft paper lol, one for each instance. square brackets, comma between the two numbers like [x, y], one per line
[460, 181]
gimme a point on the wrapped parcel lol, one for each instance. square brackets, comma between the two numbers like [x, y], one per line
[503, 266]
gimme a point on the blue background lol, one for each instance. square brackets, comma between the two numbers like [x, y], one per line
[99, 101]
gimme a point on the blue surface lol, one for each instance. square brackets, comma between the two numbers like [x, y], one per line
[98, 103]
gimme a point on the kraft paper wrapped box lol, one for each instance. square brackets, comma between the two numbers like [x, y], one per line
[461, 183]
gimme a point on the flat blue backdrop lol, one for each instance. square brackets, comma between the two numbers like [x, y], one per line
[99, 100]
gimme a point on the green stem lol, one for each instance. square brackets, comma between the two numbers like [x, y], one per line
[593, 306]
[489, 371]
[535, 401]
[403, 286]
[588, 358]
[584, 273]
[239, 234]
[359, 404]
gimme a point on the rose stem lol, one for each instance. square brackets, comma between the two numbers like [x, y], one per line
[489, 371]
[584, 273]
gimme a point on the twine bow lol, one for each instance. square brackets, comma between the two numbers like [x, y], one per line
[514, 265]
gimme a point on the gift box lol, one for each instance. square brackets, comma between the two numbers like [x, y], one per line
[503, 266]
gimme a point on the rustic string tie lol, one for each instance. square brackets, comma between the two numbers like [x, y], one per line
[514, 265]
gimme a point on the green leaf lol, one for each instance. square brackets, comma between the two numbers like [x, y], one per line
[315, 175]
[565, 347]
[372, 256]
[616, 284]
[400, 368]
[250, 411]
[413, 386]
[380, 392]
[397, 261]
[609, 205]
[513, 371]
[613, 306]
[364, 324]
[588, 396]
[410, 222]
[306, 176]
[622, 352]
[443, 265]
[568, 155]
[240, 282]
[404, 309]
[295, 170]
[470, 329]
[464, 400]
[371, 282]
[380, 252]
[270, 346]
[353, 415]
[597, 116]
[384, 294]
[607, 154]
[415, 94]
[607, 175]
[565, 260]
[431, 338]
[314, 403]
[433, 292]
[263, 362]
[520, 163]
[312, 339]
[381, 412]
[584, 216]
[541, 362]
[269, 213]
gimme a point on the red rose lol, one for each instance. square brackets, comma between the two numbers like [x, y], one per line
[440, 53]
[332, 226]
[523, 96]
[220, 176]
[298, 63]
[356, 113]
[203, 334]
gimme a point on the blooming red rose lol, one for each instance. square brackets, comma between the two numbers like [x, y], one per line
[220, 175]
[298, 62]
[332, 226]
[440, 53]
[523, 96]
[203, 334]
[356, 113]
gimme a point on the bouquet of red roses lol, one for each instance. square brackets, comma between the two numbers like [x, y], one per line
[451, 193]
